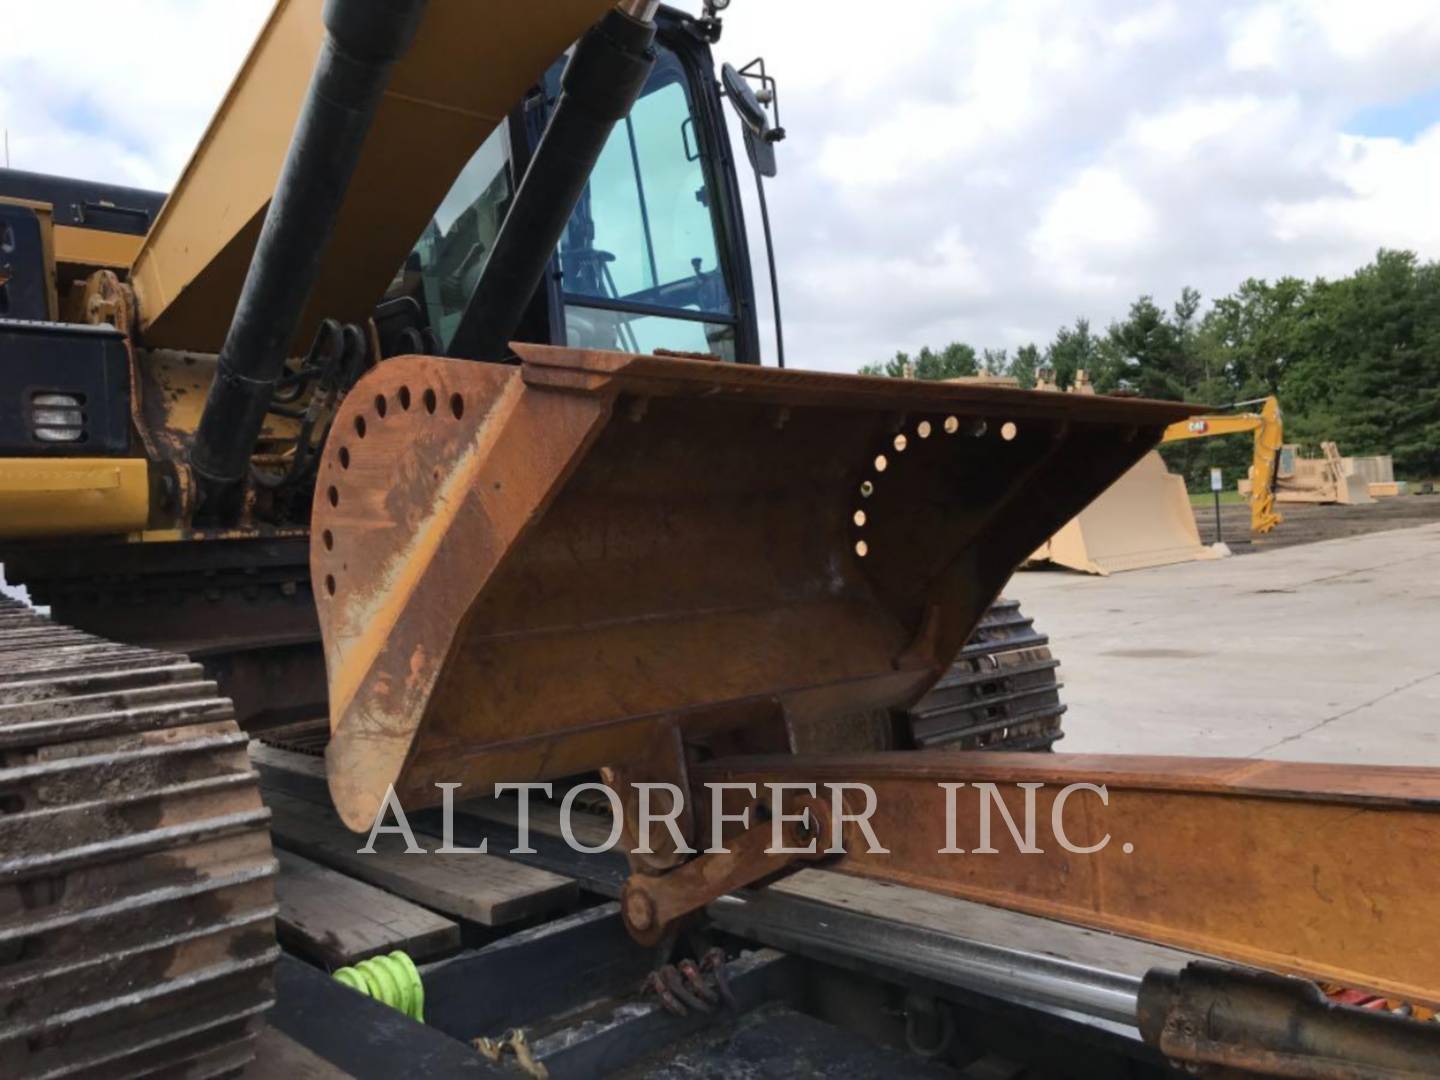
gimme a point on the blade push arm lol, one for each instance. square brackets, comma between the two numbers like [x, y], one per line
[1305, 869]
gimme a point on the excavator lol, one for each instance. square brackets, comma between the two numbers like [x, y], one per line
[1267, 426]
[445, 343]
[1145, 518]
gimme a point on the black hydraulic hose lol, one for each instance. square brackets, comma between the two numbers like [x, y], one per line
[601, 82]
[363, 40]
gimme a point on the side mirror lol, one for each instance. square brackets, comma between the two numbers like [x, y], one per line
[760, 137]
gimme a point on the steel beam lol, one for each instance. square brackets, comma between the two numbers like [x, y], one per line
[1311, 870]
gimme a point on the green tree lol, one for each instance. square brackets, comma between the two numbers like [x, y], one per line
[951, 362]
[1252, 334]
[1153, 351]
[1074, 349]
[1356, 360]
[1367, 370]
[1026, 363]
[894, 368]
[995, 361]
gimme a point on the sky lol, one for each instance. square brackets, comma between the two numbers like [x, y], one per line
[955, 169]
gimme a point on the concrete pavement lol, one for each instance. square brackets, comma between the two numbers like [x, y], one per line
[1322, 652]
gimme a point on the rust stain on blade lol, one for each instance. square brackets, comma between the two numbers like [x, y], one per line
[374, 603]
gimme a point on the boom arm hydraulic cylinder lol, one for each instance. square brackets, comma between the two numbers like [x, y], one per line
[363, 40]
[600, 84]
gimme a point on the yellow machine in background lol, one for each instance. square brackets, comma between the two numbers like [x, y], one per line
[1145, 519]
[1329, 478]
[1268, 428]
[1142, 520]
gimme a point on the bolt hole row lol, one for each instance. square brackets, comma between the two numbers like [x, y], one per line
[429, 399]
[432, 402]
[403, 397]
[924, 429]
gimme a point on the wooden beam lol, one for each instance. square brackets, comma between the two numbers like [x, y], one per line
[298, 775]
[276, 1054]
[336, 920]
[483, 889]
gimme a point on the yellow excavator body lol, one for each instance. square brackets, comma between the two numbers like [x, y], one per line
[469, 64]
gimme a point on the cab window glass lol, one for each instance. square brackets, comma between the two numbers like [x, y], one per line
[455, 245]
[642, 240]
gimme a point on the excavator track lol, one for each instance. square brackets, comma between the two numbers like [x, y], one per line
[137, 911]
[1002, 692]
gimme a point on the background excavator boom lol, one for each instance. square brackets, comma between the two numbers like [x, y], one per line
[1269, 430]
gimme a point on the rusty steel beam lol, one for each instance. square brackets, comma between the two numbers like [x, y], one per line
[1311, 870]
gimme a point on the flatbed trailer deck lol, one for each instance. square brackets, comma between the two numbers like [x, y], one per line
[831, 976]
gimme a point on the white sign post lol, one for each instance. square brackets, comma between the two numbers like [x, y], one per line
[1217, 483]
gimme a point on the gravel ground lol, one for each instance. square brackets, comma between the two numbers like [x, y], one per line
[1305, 523]
[1322, 652]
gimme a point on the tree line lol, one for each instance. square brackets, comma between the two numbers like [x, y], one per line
[1355, 360]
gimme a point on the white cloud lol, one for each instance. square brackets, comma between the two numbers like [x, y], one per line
[974, 169]
[1259, 38]
[1386, 197]
[1147, 24]
[1091, 230]
[1363, 29]
[118, 98]
[1180, 132]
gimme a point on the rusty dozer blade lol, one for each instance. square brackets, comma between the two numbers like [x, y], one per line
[525, 572]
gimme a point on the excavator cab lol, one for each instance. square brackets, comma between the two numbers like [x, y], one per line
[654, 256]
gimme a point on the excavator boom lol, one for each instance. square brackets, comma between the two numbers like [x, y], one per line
[469, 64]
[1268, 428]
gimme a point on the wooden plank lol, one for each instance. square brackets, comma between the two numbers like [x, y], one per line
[300, 775]
[485, 889]
[303, 776]
[337, 920]
[589, 829]
[276, 1054]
